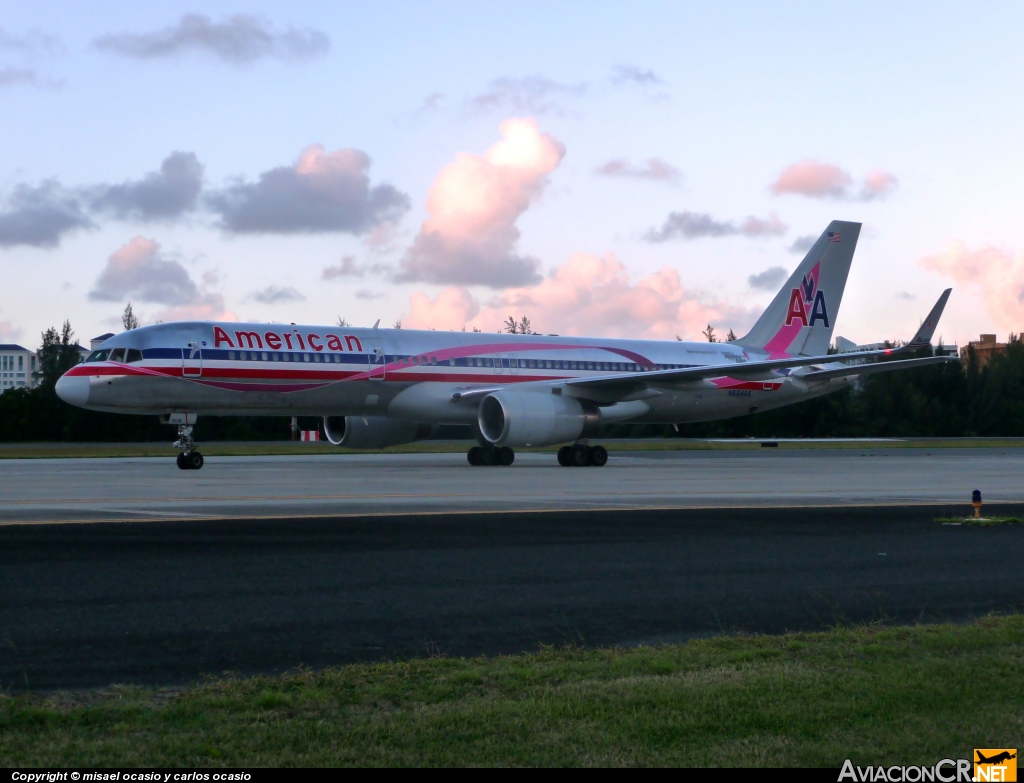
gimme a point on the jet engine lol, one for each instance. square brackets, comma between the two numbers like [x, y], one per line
[515, 418]
[372, 432]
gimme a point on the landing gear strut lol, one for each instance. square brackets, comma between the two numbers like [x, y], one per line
[189, 458]
[490, 455]
[581, 455]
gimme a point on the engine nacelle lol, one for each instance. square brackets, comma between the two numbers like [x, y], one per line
[372, 432]
[515, 418]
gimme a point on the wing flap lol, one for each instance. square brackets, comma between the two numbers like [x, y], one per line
[868, 369]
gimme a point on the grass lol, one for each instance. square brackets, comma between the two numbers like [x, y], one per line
[878, 695]
[258, 448]
[980, 522]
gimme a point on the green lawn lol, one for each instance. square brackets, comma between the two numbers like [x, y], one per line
[253, 448]
[877, 695]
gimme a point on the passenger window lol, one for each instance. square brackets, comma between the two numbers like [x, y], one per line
[451, 362]
[117, 355]
[134, 355]
[305, 357]
[231, 356]
[263, 356]
[433, 361]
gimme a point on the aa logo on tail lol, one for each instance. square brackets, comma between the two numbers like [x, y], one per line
[806, 297]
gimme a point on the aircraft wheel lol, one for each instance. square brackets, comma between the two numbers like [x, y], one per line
[598, 456]
[181, 462]
[580, 456]
[489, 456]
[506, 456]
[565, 456]
[195, 460]
[475, 456]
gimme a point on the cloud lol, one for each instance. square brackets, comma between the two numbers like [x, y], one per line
[652, 169]
[622, 74]
[588, 294]
[347, 268]
[139, 271]
[366, 294]
[997, 274]
[322, 192]
[768, 280]
[529, 95]
[159, 195]
[904, 295]
[470, 233]
[9, 332]
[815, 179]
[40, 216]
[274, 294]
[877, 184]
[803, 244]
[239, 40]
[694, 225]
[31, 43]
[10, 77]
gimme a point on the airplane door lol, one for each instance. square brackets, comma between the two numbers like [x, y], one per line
[513, 364]
[499, 360]
[192, 360]
[376, 359]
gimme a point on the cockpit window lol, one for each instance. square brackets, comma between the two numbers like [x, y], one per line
[134, 355]
[117, 355]
[99, 356]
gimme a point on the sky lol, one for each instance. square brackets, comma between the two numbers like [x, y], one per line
[628, 170]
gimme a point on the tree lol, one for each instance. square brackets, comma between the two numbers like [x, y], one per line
[511, 325]
[525, 327]
[343, 322]
[397, 324]
[731, 337]
[710, 334]
[128, 318]
[58, 354]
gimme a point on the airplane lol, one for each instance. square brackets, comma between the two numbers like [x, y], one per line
[380, 387]
[996, 759]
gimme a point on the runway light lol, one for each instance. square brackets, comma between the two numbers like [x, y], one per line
[976, 502]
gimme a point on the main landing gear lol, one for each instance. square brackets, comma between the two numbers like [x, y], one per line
[581, 455]
[489, 455]
[189, 459]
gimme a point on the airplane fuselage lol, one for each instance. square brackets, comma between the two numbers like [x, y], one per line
[233, 369]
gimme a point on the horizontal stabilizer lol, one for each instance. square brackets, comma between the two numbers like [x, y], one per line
[868, 369]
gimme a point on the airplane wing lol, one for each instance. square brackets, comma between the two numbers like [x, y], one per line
[868, 369]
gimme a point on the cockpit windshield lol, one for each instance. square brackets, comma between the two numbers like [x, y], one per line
[99, 356]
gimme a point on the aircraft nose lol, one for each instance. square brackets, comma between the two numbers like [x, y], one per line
[73, 389]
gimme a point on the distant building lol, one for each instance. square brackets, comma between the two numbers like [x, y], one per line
[17, 367]
[984, 349]
[96, 342]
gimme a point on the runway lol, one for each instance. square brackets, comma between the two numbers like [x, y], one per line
[83, 490]
[132, 571]
[168, 602]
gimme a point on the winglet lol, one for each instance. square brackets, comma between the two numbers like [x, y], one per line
[376, 324]
[924, 334]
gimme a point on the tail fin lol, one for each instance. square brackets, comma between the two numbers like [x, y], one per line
[927, 330]
[802, 315]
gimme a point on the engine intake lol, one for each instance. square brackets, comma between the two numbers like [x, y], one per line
[372, 432]
[510, 418]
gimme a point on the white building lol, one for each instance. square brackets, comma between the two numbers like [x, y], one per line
[17, 367]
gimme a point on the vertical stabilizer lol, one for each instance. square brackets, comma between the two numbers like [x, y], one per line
[802, 315]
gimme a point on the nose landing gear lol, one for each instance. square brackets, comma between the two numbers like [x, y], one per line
[189, 458]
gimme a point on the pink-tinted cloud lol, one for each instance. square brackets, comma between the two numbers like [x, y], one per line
[997, 274]
[815, 179]
[140, 271]
[470, 234]
[654, 169]
[877, 184]
[9, 332]
[588, 294]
